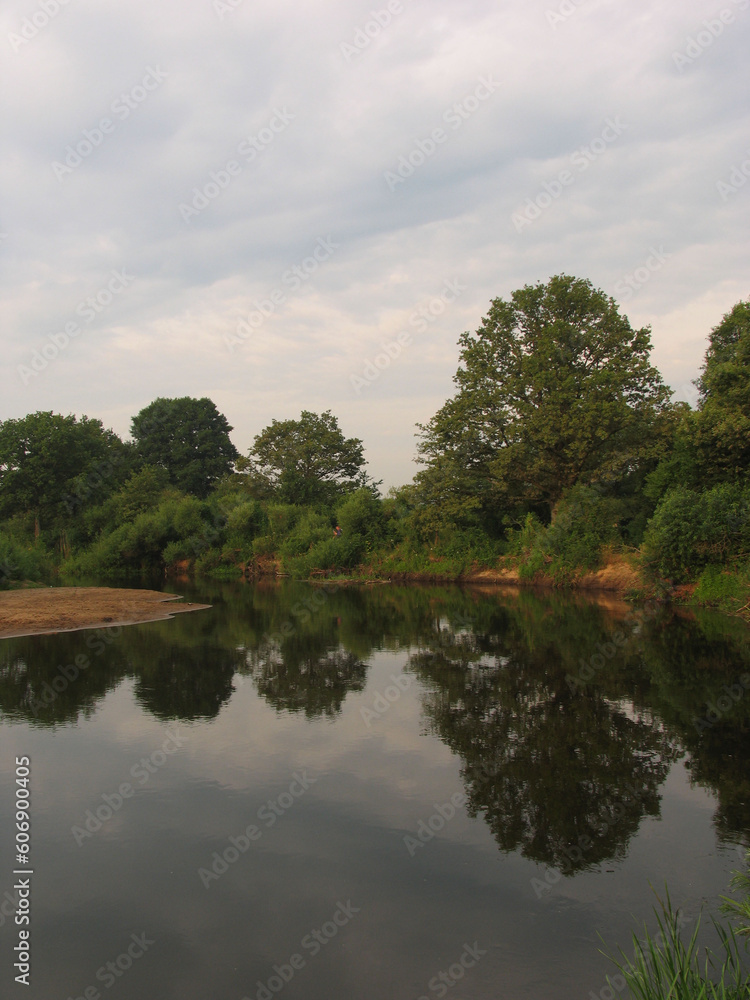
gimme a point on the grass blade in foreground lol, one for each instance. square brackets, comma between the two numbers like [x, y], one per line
[664, 967]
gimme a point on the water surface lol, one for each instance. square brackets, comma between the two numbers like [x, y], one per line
[320, 792]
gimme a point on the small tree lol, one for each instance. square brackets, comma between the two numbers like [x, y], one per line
[306, 461]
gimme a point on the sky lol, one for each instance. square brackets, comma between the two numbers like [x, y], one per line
[287, 206]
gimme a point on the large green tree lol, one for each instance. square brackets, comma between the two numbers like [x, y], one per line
[306, 461]
[554, 389]
[722, 424]
[711, 444]
[189, 438]
[50, 465]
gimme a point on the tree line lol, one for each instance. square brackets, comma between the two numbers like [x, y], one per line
[560, 444]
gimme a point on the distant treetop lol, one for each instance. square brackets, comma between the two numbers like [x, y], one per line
[188, 438]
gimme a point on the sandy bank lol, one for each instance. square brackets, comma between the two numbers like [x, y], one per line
[66, 609]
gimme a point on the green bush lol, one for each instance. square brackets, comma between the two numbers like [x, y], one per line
[691, 530]
[309, 544]
[264, 545]
[20, 562]
[220, 565]
[471, 545]
[177, 552]
[529, 545]
[584, 524]
[311, 529]
[179, 528]
[141, 493]
[723, 588]
[245, 523]
[330, 555]
[362, 515]
[281, 519]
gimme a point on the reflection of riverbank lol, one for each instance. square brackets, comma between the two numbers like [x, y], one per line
[66, 609]
[618, 577]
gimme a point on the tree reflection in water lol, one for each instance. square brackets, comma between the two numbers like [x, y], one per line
[565, 777]
[296, 678]
[550, 765]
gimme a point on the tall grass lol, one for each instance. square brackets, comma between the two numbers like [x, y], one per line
[740, 908]
[665, 967]
[725, 587]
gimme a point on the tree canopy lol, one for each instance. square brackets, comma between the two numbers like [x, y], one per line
[554, 389]
[306, 461]
[50, 464]
[189, 438]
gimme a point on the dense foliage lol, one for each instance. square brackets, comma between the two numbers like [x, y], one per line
[559, 451]
[554, 390]
[306, 461]
[189, 439]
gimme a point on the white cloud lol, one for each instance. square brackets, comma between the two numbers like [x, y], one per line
[322, 175]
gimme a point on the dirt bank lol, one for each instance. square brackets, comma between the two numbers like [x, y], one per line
[65, 609]
[617, 576]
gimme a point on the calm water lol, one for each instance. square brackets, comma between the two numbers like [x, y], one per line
[356, 791]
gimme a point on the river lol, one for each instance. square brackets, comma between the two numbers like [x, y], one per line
[368, 793]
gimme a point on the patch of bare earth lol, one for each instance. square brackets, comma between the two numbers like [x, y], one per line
[617, 576]
[66, 609]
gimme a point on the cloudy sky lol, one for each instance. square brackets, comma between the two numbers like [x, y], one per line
[251, 200]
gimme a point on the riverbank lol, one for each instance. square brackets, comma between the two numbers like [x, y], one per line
[617, 577]
[620, 577]
[66, 609]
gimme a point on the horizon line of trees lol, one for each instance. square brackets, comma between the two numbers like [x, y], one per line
[561, 439]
